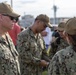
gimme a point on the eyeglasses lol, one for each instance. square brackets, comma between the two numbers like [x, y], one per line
[12, 18]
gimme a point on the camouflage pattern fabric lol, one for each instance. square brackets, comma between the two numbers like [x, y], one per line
[9, 64]
[56, 47]
[63, 62]
[63, 44]
[31, 50]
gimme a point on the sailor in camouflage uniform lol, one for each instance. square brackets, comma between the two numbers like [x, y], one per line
[60, 42]
[9, 64]
[64, 61]
[31, 47]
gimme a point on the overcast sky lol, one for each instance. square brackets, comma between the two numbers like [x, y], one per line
[66, 8]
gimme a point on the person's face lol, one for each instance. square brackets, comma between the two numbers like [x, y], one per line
[41, 26]
[7, 22]
[61, 33]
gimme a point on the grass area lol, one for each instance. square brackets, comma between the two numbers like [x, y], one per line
[44, 73]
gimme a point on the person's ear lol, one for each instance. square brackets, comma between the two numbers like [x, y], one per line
[65, 34]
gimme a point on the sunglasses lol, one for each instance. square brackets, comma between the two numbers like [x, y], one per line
[12, 18]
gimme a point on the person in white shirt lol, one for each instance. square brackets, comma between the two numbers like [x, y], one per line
[47, 36]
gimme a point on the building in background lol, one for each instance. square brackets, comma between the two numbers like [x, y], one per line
[27, 20]
[58, 20]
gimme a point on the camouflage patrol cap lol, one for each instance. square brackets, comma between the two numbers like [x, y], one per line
[45, 19]
[6, 9]
[61, 26]
[70, 27]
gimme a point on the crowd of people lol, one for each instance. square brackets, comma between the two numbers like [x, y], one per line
[24, 51]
